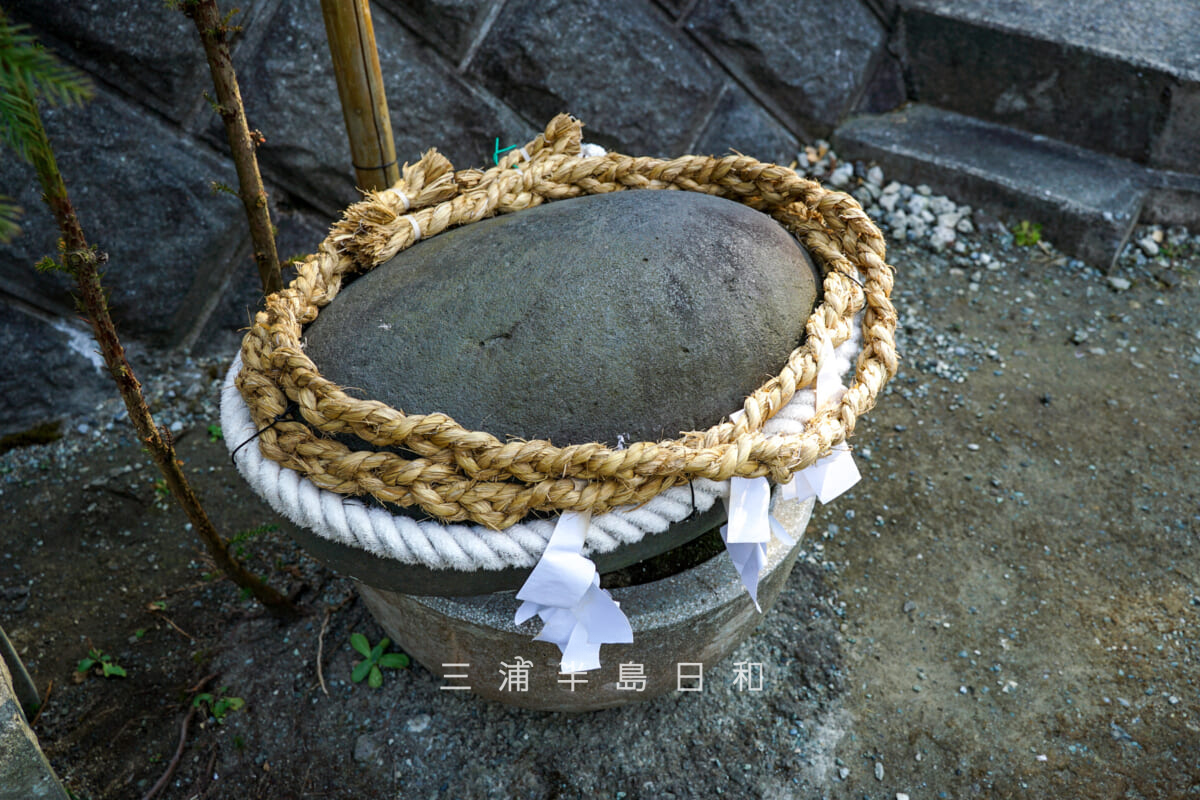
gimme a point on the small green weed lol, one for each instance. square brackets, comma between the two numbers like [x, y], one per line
[218, 704]
[374, 658]
[1026, 233]
[215, 434]
[1173, 252]
[161, 490]
[98, 658]
[241, 537]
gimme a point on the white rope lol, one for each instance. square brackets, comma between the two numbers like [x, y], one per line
[350, 521]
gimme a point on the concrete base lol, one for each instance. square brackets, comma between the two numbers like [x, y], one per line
[25, 774]
[696, 617]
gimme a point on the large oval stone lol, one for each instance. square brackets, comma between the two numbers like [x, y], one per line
[637, 314]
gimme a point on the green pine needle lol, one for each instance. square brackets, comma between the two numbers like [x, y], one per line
[9, 213]
[28, 73]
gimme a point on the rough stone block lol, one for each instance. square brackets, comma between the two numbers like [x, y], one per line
[1087, 202]
[739, 123]
[291, 96]
[142, 193]
[637, 83]
[1178, 145]
[141, 46]
[51, 372]
[809, 59]
[674, 7]
[635, 314]
[1093, 73]
[299, 233]
[1172, 199]
[448, 25]
[885, 89]
[25, 774]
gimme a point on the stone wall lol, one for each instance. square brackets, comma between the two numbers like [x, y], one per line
[656, 78]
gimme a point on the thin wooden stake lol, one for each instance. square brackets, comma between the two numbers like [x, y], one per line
[360, 87]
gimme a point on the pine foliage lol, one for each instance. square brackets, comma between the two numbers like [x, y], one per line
[29, 73]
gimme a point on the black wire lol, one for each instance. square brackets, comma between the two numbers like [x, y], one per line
[285, 415]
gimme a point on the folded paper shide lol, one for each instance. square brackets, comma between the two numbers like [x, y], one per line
[492, 505]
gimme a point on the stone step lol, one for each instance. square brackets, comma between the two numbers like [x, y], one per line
[24, 771]
[1116, 77]
[1087, 202]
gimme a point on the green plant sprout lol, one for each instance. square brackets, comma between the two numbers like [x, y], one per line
[215, 434]
[1027, 234]
[161, 490]
[374, 658]
[218, 704]
[98, 658]
[241, 537]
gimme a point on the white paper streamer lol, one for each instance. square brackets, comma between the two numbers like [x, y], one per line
[828, 479]
[564, 590]
[749, 529]
[833, 475]
[750, 524]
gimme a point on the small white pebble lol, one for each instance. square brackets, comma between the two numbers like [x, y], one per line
[972, 447]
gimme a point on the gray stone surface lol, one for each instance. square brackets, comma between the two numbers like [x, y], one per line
[637, 83]
[141, 190]
[1088, 203]
[1155, 34]
[1178, 145]
[19, 682]
[47, 372]
[450, 26]
[811, 60]
[141, 46]
[1096, 74]
[291, 95]
[697, 616]
[674, 7]
[738, 123]
[25, 774]
[639, 314]
[299, 232]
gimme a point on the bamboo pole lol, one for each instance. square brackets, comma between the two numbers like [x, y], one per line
[360, 86]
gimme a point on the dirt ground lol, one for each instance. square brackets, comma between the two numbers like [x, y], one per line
[1008, 605]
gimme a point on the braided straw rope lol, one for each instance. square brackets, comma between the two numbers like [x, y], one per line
[456, 474]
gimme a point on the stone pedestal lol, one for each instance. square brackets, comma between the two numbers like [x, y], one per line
[25, 773]
[696, 617]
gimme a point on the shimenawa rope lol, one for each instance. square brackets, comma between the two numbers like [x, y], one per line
[457, 474]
